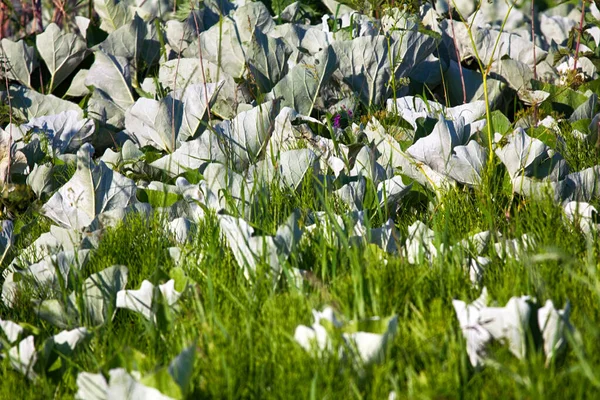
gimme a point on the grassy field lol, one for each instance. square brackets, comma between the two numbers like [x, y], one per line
[241, 333]
[244, 332]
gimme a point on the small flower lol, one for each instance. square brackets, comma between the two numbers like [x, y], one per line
[336, 121]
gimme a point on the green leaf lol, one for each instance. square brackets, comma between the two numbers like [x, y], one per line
[500, 124]
[379, 325]
[562, 99]
[164, 382]
[157, 198]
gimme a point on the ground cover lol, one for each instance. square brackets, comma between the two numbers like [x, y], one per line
[248, 200]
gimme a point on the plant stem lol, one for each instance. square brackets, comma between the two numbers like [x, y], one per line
[37, 16]
[460, 71]
[174, 93]
[202, 64]
[579, 36]
[484, 72]
[10, 121]
[535, 105]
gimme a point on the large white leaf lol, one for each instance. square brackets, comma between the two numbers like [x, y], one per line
[288, 168]
[583, 214]
[523, 155]
[370, 346]
[62, 52]
[23, 357]
[301, 86]
[9, 151]
[194, 98]
[66, 341]
[177, 117]
[411, 108]
[93, 304]
[179, 74]
[247, 134]
[436, 148]
[226, 43]
[509, 323]
[193, 155]
[92, 190]
[20, 61]
[391, 155]
[111, 78]
[476, 336]
[485, 38]
[40, 179]
[390, 191]
[29, 104]
[420, 243]
[133, 41]
[306, 37]
[113, 14]
[11, 330]
[467, 164]
[121, 385]
[141, 300]
[369, 63]
[248, 249]
[224, 186]
[65, 131]
[267, 60]
[554, 324]
[46, 271]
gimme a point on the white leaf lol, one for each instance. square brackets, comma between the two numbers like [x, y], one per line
[476, 336]
[509, 323]
[141, 300]
[23, 357]
[91, 191]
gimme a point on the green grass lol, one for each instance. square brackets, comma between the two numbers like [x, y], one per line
[244, 331]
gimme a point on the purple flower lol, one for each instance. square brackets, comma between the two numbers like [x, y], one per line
[336, 120]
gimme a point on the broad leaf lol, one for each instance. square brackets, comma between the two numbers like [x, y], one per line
[95, 304]
[113, 14]
[20, 61]
[62, 52]
[111, 76]
[29, 104]
[192, 155]
[301, 86]
[369, 64]
[65, 131]
[93, 189]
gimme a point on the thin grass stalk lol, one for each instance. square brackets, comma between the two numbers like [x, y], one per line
[202, 64]
[484, 73]
[581, 20]
[460, 71]
[10, 120]
[174, 95]
[535, 104]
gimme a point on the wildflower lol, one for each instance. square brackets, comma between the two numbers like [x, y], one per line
[336, 121]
